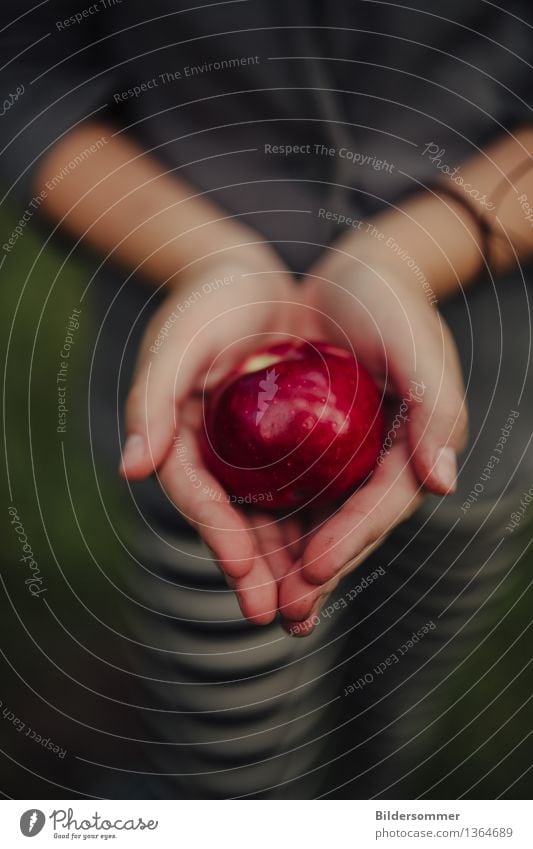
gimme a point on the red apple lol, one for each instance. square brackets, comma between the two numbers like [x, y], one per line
[294, 423]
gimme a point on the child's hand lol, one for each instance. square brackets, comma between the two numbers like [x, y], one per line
[198, 334]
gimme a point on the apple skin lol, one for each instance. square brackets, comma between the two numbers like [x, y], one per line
[295, 423]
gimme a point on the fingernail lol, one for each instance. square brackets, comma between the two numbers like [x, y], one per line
[134, 450]
[446, 468]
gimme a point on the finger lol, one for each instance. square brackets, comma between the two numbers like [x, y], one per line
[437, 419]
[363, 522]
[149, 428]
[298, 597]
[306, 626]
[257, 593]
[151, 415]
[299, 629]
[272, 543]
[204, 504]
[294, 537]
[301, 601]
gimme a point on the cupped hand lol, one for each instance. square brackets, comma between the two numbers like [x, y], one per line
[220, 313]
[388, 321]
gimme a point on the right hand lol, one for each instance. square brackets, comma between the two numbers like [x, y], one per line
[209, 328]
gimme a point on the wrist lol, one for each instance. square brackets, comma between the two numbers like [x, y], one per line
[439, 238]
[430, 243]
[371, 258]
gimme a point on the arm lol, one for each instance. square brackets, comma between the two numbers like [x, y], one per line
[441, 234]
[121, 202]
[404, 260]
[366, 295]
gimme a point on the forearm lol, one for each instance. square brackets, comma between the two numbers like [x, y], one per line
[119, 200]
[441, 236]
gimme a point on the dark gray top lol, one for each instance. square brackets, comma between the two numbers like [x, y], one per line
[202, 83]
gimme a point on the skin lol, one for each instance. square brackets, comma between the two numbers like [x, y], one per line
[122, 203]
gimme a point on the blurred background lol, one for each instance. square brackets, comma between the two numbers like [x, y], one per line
[479, 745]
[52, 677]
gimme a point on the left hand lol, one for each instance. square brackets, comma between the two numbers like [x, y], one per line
[405, 344]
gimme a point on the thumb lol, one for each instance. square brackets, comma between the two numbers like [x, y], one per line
[151, 415]
[438, 423]
[150, 424]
